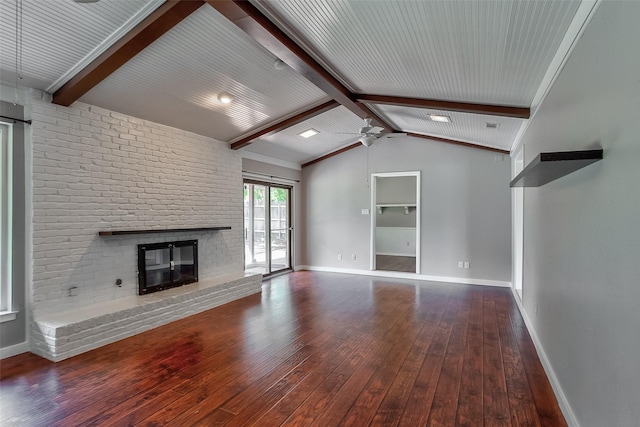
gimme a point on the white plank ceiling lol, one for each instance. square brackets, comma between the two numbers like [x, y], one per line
[177, 79]
[288, 144]
[485, 52]
[473, 128]
[489, 52]
[58, 34]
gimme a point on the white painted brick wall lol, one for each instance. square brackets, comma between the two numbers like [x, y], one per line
[94, 169]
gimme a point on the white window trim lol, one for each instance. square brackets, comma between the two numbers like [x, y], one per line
[6, 185]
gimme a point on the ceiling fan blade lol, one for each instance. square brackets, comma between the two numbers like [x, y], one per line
[376, 129]
[346, 133]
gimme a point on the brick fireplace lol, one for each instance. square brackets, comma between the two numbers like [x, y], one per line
[95, 169]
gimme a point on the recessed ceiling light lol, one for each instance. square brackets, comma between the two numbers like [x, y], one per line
[225, 98]
[439, 118]
[308, 133]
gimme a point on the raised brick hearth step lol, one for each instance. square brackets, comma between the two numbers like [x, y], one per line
[58, 336]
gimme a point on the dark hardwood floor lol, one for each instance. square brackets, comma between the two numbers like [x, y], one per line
[405, 264]
[315, 349]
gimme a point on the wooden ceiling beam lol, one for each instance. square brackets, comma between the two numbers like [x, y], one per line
[332, 154]
[414, 135]
[283, 124]
[456, 142]
[434, 104]
[142, 35]
[249, 19]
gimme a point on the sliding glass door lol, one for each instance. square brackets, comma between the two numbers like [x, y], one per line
[267, 227]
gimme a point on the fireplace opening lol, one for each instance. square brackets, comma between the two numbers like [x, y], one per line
[166, 265]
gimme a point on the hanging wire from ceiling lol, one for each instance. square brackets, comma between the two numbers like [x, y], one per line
[18, 48]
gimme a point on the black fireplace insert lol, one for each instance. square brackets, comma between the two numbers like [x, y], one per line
[166, 265]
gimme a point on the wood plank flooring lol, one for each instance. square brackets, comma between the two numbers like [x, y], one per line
[396, 263]
[315, 349]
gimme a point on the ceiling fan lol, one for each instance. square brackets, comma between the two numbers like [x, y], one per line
[369, 134]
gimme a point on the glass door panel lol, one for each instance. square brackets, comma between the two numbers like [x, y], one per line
[255, 254]
[279, 228]
[267, 233]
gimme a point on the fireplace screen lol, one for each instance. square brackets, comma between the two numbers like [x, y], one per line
[167, 265]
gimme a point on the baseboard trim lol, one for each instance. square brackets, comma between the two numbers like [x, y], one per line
[569, 416]
[14, 350]
[413, 276]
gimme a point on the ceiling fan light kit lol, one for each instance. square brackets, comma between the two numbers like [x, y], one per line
[367, 140]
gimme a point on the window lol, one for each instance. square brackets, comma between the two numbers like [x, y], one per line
[5, 216]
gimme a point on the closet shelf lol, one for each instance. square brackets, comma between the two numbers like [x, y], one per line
[381, 206]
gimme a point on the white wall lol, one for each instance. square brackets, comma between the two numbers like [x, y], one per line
[94, 170]
[396, 241]
[465, 207]
[582, 232]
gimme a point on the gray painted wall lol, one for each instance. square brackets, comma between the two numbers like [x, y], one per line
[582, 232]
[14, 332]
[465, 207]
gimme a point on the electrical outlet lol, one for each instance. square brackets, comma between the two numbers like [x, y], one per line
[460, 264]
[467, 264]
[353, 257]
[339, 257]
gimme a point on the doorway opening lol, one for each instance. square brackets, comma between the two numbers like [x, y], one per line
[395, 221]
[267, 227]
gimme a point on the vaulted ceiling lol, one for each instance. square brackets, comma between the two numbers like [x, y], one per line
[292, 65]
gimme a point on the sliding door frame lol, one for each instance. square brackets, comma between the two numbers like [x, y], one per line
[267, 223]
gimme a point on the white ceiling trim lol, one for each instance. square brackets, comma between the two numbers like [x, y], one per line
[151, 6]
[271, 160]
[580, 21]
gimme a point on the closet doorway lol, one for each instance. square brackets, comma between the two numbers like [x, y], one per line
[395, 221]
[267, 227]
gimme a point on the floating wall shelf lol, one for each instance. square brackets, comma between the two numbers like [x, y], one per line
[551, 166]
[166, 230]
